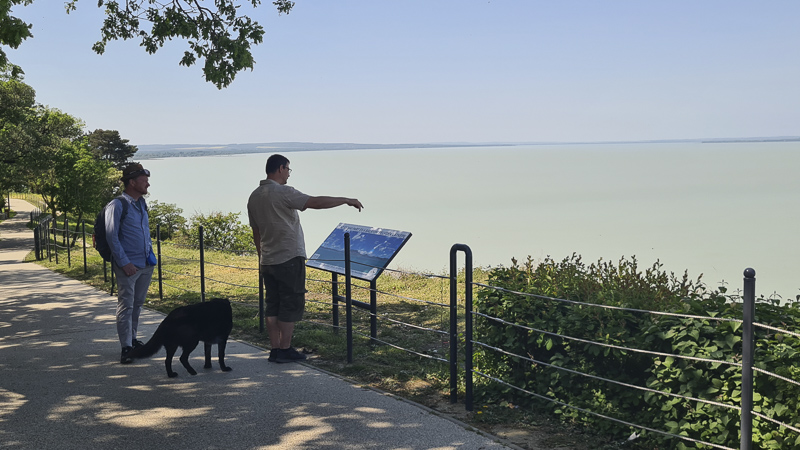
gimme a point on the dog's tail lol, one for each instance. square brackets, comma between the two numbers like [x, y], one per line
[152, 346]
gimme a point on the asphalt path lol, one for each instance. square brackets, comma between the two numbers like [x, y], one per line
[62, 386]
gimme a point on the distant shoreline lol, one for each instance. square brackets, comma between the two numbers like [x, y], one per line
[157, 151]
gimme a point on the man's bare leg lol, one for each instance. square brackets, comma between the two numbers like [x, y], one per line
[280, 333]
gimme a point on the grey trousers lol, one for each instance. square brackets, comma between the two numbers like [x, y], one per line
[132, 292]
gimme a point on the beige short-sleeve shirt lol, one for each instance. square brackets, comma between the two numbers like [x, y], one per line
[273, 210]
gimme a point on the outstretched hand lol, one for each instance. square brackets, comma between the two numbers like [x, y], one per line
[355, 203]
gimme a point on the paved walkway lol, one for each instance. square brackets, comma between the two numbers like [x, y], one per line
[62, 387]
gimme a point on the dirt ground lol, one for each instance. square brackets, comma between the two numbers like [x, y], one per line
[545, 436]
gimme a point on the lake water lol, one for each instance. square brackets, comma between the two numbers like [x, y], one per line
[714, 209]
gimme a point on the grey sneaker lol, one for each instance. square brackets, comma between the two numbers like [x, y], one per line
[125, 359]
[287, 355]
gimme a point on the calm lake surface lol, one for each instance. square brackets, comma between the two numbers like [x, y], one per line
[711, 209]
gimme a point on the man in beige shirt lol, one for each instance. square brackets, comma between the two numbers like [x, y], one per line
[273, 213]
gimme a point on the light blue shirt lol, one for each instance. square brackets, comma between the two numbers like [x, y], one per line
[129, 241]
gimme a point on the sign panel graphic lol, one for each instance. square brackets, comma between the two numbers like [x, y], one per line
[371, 250]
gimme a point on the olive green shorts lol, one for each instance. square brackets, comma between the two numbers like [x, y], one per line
[285, 286]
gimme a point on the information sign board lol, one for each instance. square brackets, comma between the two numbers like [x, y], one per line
[371, 250]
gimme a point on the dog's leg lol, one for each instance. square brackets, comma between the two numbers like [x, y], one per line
[207, 348]
[187, 349]
[221, 352]
[168, 362]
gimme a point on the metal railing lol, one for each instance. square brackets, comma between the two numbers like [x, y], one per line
[47, 247]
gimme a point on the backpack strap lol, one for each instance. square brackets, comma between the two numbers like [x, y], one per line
[124, 202]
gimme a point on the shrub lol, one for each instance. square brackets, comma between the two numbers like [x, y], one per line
[624, 285]
[221, 232]
[168, 215]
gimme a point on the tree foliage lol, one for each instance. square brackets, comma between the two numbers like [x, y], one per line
[168, 215]
[44, 150]
[78, 183]
[30, 134]
[16, 100]
[12, 31]
[109, 146]
[17, 106]
[217, 34]
[221, 232]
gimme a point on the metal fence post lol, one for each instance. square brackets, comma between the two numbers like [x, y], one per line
[202, 267]
[37, 245]
[55, 239]
[260, 297]
[348, 298]
[113, 274]
[748, 345]
[454, 324]
[83, 230]
[47, 239]
[158, 246]
[335, 298]
[373, 309]
[67, 243]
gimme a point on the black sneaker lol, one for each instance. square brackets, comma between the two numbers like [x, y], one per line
[125, 359]
[287, 355]
[137, 344]
[272, 355]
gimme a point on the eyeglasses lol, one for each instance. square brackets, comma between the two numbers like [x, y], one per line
[287, 168]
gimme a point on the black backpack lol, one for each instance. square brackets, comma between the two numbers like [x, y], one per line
[99, 240]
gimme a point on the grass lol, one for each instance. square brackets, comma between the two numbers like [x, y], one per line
[402, 298]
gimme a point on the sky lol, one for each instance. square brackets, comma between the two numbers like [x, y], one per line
[444, 71]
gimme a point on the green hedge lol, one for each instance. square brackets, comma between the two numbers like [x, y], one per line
[623, 284]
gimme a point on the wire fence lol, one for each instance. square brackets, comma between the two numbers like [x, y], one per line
[746, 409]
[189, 269]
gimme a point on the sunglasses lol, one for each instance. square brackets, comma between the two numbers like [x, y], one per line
[139, 172]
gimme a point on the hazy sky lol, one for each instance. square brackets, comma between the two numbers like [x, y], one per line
[414, 71]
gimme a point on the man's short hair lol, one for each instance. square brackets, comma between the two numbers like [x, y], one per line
[275, 162]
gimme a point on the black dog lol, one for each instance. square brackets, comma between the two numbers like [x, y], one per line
[210, 322]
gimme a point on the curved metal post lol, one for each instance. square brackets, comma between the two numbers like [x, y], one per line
[748, 346]
[454, 324]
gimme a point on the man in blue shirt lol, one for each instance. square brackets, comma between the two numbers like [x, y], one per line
[130, 244]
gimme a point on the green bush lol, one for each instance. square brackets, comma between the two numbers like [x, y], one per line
[221, 232]
[624, 285]
[168, 215]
